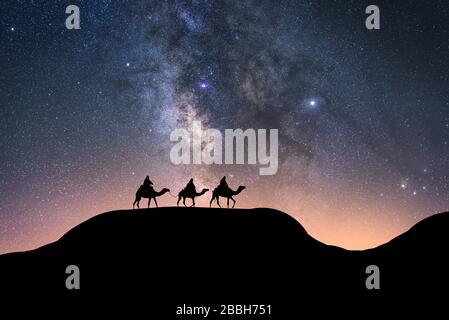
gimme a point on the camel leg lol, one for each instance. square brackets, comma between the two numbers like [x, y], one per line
[193, 202]
[179, 199]
[149, 201]
[184, 202]
[234, 202]
[218, 202]
[136, 201]
[227, 203]
[155, 202]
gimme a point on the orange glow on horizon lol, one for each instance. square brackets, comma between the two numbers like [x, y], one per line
[342, 227]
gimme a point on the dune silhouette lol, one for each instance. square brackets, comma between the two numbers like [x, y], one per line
[204, 254]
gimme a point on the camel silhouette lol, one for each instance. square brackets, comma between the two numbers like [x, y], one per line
[225, 193]
[189, 194]
[149, 193]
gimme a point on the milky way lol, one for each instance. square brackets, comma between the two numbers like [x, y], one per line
[363, 116]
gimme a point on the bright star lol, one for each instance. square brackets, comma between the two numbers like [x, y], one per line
[403, 186]
[312, 103]
[128, 64]
[13, 29]
[203, 85]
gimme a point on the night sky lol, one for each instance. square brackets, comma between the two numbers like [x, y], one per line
[363, 116]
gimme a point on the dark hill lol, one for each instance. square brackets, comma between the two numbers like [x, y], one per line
[417, 261]
[199, 255]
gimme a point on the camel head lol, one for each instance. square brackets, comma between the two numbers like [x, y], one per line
[204, 191]
[165, 190]
[240, 189]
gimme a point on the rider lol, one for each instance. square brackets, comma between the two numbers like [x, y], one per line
[147, 183]
[223, 184]
[190, 187]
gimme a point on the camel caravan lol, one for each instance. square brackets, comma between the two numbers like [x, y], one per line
[222, 190]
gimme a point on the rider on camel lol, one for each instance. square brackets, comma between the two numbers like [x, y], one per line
[147, 184]
[190, 187]
[223, 184]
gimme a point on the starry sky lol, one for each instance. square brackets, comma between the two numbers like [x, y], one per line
[363, 116]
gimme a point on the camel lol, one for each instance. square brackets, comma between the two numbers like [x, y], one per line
[227, 193]
[185, 194]
[149, 193]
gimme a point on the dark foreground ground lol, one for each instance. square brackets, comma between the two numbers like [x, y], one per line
[152, 261]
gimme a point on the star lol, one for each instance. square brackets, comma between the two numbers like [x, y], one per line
[312, 102]
[203, 85]
[12, 29]
[128, 64]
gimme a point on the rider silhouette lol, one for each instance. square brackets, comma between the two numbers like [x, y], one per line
[223, 184]
[147, 183]
[190, 187]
